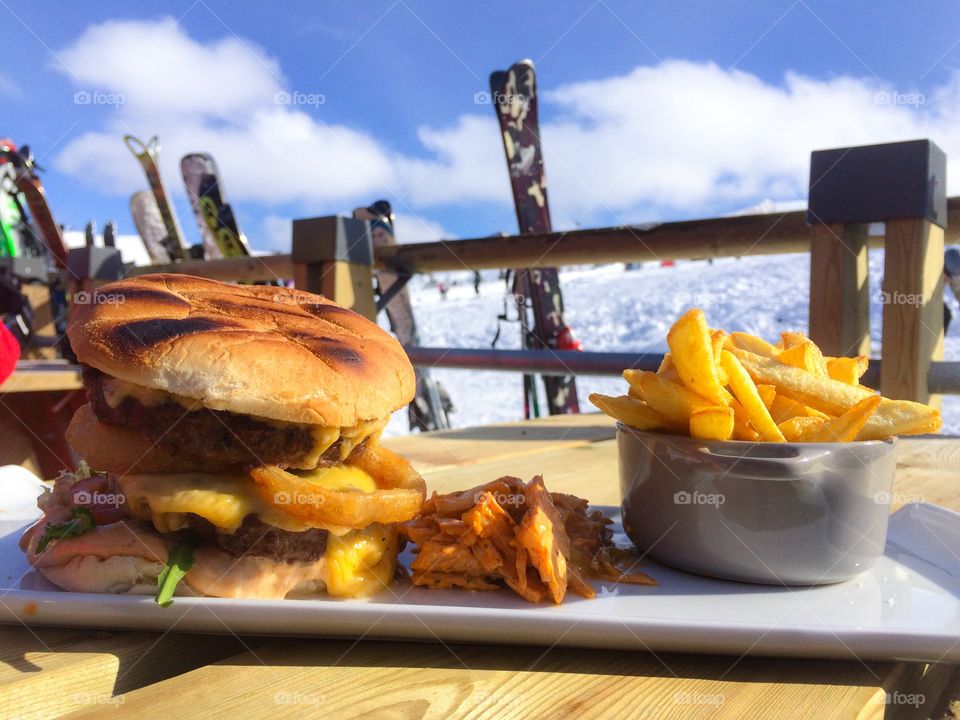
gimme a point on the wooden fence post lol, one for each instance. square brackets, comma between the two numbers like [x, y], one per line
[333, 256]
[904, 185]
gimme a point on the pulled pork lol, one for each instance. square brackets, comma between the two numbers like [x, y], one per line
[540, 544]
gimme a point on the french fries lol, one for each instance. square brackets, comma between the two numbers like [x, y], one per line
[715, 386]
[712, 423]
[746, 392]
[691, 349]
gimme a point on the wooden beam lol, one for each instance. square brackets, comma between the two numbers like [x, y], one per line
[913, 307]
[247, 269]
[347, 284]
[839, 291]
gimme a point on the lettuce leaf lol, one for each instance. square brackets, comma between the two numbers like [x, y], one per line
[179, 562]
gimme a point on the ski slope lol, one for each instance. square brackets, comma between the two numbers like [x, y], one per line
[611, 309]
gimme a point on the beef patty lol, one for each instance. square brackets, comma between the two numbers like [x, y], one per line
[258, 539]
[218, 436]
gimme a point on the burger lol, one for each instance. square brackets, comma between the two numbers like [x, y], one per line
[231, 446]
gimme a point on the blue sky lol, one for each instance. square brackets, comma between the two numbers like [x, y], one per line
[651, 110]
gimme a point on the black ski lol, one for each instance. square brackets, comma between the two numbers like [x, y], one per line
[430, 405]
[514, 93]
[218, 226]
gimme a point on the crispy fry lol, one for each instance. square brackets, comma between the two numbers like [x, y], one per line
[665, 364]
[892, 417]
[712, 423]
[790, 339]
[629, 411]
[783, 408]
[692, 351]
[746, 392]
[847, 370]
[794, 428]
[746, 341]
[743, 431]
[674, 402]
[846, 427]
[767, 394]
[805, 355]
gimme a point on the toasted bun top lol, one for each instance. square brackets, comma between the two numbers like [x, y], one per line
[267, 351]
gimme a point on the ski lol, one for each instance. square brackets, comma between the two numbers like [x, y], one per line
[27, 183]
[429, 408]
[514, 95]
[218, 226]
[146, 154]
[149, 223]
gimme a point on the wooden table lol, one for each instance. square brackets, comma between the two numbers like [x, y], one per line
[86, 673]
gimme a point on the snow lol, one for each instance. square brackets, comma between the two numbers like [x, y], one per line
[615, 310]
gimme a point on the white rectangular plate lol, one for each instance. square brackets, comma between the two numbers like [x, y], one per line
[906, 608]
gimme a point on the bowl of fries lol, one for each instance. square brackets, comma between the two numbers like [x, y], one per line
[758, 462]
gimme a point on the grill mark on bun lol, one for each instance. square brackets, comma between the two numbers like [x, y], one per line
[149, 296]
[137, 334]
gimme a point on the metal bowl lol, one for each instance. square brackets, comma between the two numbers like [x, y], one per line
[772, 513]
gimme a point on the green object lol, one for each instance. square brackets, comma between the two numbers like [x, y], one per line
[81, 522]
[9, 226]
[180, 561]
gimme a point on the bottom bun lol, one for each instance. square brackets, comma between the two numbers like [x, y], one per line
[113, 449]
[126, 557]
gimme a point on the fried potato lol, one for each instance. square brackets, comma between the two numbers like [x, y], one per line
[767, 394]
[892, 417]
[783, 408]
[629, 411]
[795, 428]
[666, 364]
[673, 401]
[847, 370]
[746, 392]
[712, 423]
[846, 427]
[790, 339]
[691, 349]
[805, 355]
[743, 431]
[746, 341]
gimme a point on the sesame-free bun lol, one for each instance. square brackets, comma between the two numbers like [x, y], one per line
[120, 450]
[271, 352]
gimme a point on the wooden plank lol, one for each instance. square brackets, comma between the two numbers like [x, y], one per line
[913, 308]
[347, 284]
[46, 672]
[247, 269]
[839, 291]
[456, 448]
[39, 297]
[42, 375]
[376, 679]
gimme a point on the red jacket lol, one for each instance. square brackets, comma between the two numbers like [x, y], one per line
[9, 352]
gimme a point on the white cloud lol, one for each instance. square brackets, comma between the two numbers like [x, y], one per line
[675, 138]
[160, 70]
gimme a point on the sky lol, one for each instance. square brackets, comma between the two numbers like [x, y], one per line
[649, 111]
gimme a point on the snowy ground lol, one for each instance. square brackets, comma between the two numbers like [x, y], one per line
[611, 309]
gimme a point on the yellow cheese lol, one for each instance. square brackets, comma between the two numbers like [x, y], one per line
[361, 563]
[224, 500]
[115, 391]
[339, 477]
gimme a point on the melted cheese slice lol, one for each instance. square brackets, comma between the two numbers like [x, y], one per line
[225, 500]
[361, 563]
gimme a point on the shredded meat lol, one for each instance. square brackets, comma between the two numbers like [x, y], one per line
[216, 435]
[539, 544]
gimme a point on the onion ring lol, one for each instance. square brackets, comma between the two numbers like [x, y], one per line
[400, 492]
